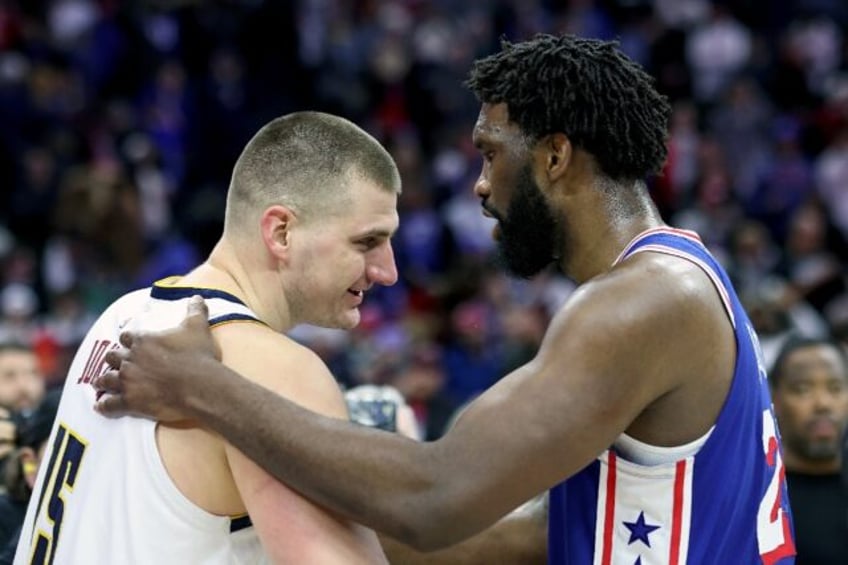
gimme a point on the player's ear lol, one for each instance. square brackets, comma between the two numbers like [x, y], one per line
[558, 152]
[276, 224]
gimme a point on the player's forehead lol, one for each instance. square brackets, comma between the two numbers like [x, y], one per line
[493, 126]
[372, 211]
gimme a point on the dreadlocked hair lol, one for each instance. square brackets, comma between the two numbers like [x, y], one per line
[585, 88]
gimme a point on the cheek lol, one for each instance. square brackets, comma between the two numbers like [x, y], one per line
[790, 411]
[36, 383]
[842, 405]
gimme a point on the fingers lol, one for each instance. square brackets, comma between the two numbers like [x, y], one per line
[198, 312]
[111, 405]
[109, 382]
[115, 357]
[126, 339]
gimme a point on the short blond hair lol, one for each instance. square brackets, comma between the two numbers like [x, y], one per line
[305, 161]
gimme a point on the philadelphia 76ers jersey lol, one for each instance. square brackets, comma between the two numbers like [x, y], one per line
[725, 503]
[103, 495]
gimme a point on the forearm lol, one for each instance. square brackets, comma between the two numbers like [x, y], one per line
[519, 537]
[396, 489]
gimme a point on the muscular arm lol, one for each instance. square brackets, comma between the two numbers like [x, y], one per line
[518, 537]
[598, 368]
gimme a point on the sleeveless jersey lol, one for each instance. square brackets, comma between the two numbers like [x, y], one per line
[102, 494]
[726, 503]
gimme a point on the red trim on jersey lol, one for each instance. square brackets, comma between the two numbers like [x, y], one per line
[609, 510]
[688, 234]
[677, 512]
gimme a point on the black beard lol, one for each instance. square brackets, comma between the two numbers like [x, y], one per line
[529, 229]
[820, 451]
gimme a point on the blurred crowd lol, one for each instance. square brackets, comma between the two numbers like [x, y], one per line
[120, 122]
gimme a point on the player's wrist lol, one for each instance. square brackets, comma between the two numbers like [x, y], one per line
[204, 397]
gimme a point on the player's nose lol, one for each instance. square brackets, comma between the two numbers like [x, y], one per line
[383, 270]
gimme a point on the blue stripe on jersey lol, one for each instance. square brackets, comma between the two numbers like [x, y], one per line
[179, 292]
[240, 523]
[234, 318]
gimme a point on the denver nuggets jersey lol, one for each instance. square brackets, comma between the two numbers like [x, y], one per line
[725, 503]
[103, 495]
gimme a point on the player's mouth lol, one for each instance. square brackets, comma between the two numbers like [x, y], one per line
[357, 293]
[489, 211]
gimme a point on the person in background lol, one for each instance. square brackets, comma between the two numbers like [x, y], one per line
[21, 381]
[21, 390]
[809, 384]
[20, 471]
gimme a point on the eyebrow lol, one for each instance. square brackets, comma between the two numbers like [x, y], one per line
[376, 232]
[481, 138]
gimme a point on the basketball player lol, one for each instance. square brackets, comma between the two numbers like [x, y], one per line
[646, 411]
[310, 210]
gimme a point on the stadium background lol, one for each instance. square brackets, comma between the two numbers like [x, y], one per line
[120, 122]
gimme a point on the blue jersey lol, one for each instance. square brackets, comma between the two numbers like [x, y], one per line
[725, 503]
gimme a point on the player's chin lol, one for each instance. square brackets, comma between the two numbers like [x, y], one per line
[350, 319]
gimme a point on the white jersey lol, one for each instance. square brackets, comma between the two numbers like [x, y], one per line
[103, 495]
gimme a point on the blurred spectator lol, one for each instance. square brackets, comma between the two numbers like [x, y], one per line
[785, 183]
[676, 185]
[777, 313]
[21, 469]
[818, 42]
[809, 384]
[717, 50]
[832, 180]
[741, 125]
[523, 329]
[471, 361]
[21, 379]
[714, 212]
[813, 270]
[18, 312]
[422, 383]
[754, 256]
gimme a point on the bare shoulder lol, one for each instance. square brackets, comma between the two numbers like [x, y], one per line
[650, 320]
[280, 364]
[654, 326]
[666, 292]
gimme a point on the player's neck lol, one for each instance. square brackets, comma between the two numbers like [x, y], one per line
[233, 270]
[598, 229]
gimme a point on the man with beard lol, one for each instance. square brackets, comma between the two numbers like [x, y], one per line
[810, 389]
[647, 397]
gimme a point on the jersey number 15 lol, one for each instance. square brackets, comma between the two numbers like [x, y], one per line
[59, 479]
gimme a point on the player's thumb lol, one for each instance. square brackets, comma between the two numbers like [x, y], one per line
[197, 314]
